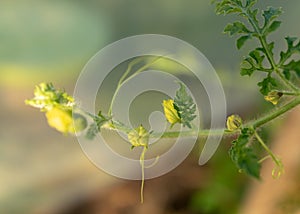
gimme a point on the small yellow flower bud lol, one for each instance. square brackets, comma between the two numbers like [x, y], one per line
[138, 137]
[234, 122]
[62, 120]
[273, 97]
[171, 113]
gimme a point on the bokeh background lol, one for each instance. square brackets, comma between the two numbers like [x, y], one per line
[42, 171]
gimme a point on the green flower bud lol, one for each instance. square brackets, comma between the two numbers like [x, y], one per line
[79, 122]
[234, 122]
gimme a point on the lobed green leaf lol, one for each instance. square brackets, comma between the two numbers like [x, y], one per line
[292, 66]
[257, 57]
[270, 14]
[228, 6]
[250, 3]
[291, 49]
[244, 156]
[254, 60]
[253, 15]
[236, 28]
[185, 106]
[273, 26]
[270, 48]
[287, 74]
[247, 71]
[241, 41]
[267, 85]
[95, 127]
[92, 131]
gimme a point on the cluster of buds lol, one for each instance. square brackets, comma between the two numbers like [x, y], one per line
[58, 107]
[138, 137]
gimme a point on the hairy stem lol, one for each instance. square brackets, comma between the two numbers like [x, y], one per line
[279, 169]
[118, 126]
[281, 110]
[290, 93]
[262, 143]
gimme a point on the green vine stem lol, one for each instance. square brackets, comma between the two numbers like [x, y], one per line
[278, 170]
[290, 93]
[142, 163]
[124, 80]
[276, 113]
[116, 125]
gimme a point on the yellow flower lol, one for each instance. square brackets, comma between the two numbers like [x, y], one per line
[46, 97]
[139, 137]
[234, 122]
[63, 121]
[273, 97]
[170, 112]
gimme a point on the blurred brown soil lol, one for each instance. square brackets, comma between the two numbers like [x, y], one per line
[168, 194]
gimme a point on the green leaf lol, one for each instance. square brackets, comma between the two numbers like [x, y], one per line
[293, 66]
[290, 41]
[287, 74]
[185, 106]
[250, 67]
[247, 71]
[267, 85]
[92, 131]
[241, 41]
[253, 15]
[228, 6]
[271, 14]
[250, 3]
[270, 47]
[236, 28]
[244, 156]
[291, 49]
[254, 62]
[257, 57]
[233, 10]
[274, 25]
[248, 162]
[95, 127]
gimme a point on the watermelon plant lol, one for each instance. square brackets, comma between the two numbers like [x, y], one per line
[279, 84]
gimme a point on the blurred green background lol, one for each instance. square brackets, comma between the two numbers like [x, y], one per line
[42, 171]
